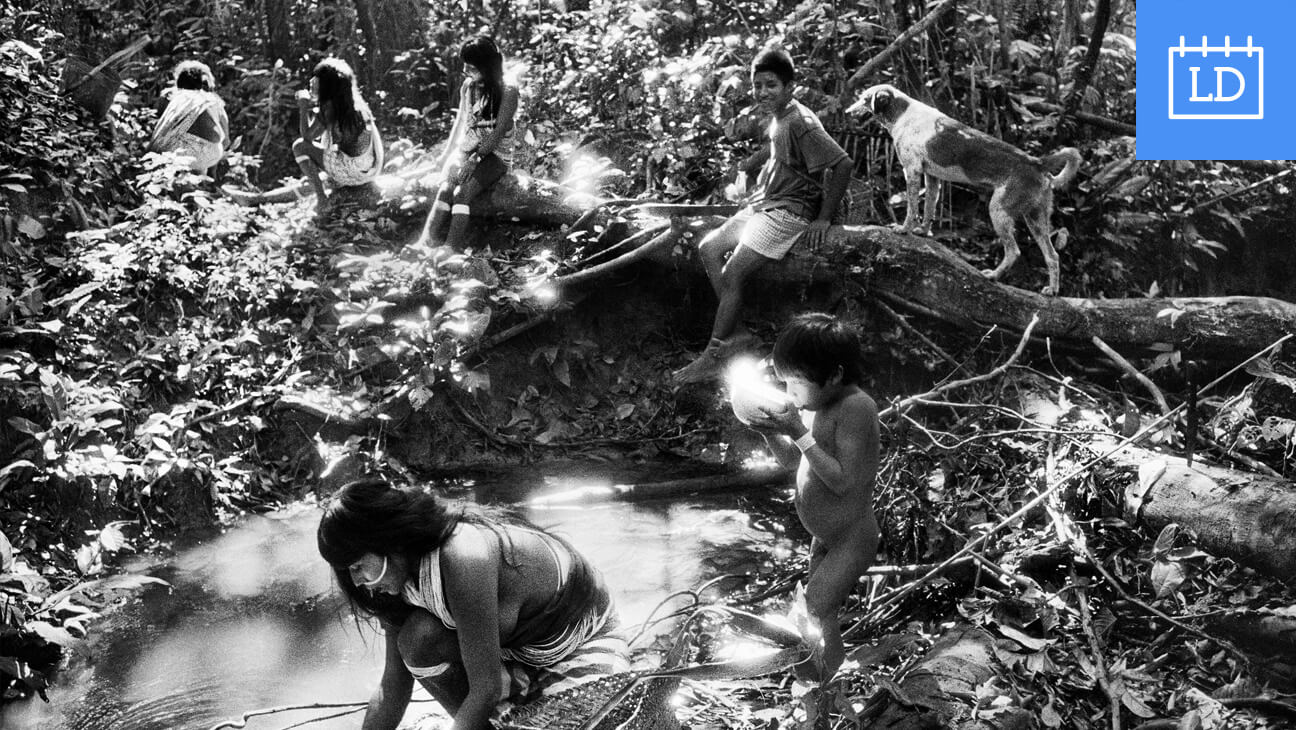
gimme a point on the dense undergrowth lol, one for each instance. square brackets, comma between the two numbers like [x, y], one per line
[149, 327]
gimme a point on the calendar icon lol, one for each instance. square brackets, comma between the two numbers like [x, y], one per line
[1216, 82]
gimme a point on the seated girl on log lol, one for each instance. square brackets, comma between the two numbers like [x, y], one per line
[480, 148]
[339, 136]
[194, 124]
[478, 605]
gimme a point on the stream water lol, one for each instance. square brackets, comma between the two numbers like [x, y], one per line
[252, 619]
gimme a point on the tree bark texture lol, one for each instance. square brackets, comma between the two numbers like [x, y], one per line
[927, 277]
[375, 66]
[1085, 71]
[278, 30]
[1268, 637]
[1244, 516]
[923, 274]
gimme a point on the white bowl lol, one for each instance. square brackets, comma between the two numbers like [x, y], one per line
[754, 400]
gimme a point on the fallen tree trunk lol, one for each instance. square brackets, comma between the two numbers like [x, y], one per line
[1268, 636]
[927, 277]
[518, 198]
[923, 275]
[1247, 517]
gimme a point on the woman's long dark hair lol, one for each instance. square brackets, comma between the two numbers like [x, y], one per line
[374, 516]
[483, 54]
[340, 102]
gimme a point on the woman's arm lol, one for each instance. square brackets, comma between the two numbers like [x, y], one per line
[388, 703]
[304, 117]
[503, 122]
[471, 572]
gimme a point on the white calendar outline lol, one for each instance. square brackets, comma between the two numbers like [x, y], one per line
[1227, 48]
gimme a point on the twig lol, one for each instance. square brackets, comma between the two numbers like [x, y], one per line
[127, 52]
[1095, 646]
[1093, 120]
[1111, 580]
[1239, 191]
[1034, 502]
[1247, 461]
[1133, 372]
[664, 233]
[241, 723]
[322, 718]
[905, 403]
[877, 61]
[488, 433]
[908, 328]
[501, 337]
[231, 407]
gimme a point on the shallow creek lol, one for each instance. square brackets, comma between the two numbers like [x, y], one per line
[252, 619]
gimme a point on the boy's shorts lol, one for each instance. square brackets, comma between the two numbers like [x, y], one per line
[770, 233]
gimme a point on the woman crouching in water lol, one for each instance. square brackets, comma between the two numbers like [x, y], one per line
[476, 604]
[339, 136]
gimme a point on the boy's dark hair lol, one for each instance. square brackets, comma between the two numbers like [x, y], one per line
[814, 345]
[776, 61]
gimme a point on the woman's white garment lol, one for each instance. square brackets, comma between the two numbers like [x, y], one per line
[345, 170]
[172, 131]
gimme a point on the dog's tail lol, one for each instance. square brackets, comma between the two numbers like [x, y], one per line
[1072, 158]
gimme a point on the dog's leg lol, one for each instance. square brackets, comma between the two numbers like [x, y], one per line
[913, 179]
[1037, 222]
[1003, 223]
[932, 199]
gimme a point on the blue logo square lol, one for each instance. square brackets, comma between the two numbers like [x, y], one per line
[1216, 81]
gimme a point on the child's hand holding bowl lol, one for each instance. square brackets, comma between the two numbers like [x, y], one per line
[757, 402]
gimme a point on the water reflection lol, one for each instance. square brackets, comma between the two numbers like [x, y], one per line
[253, 620]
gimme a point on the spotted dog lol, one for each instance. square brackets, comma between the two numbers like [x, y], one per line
[935, 146]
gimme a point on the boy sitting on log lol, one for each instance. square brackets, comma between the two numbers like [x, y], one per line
[789, 200]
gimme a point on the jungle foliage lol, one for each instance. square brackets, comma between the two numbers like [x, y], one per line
[147, 325]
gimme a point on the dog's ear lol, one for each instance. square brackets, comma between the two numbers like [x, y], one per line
[881, 99]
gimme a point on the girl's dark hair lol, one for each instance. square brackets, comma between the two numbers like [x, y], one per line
[375, 516]
[340, 102]
[814, 345]
[776, 61]
[485, 56]
[194, 75]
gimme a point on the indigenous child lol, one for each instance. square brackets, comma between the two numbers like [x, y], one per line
[788, 202]
[476, 604]
[339, 136]
[480, 148]
[194, 123]
[835, 446]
